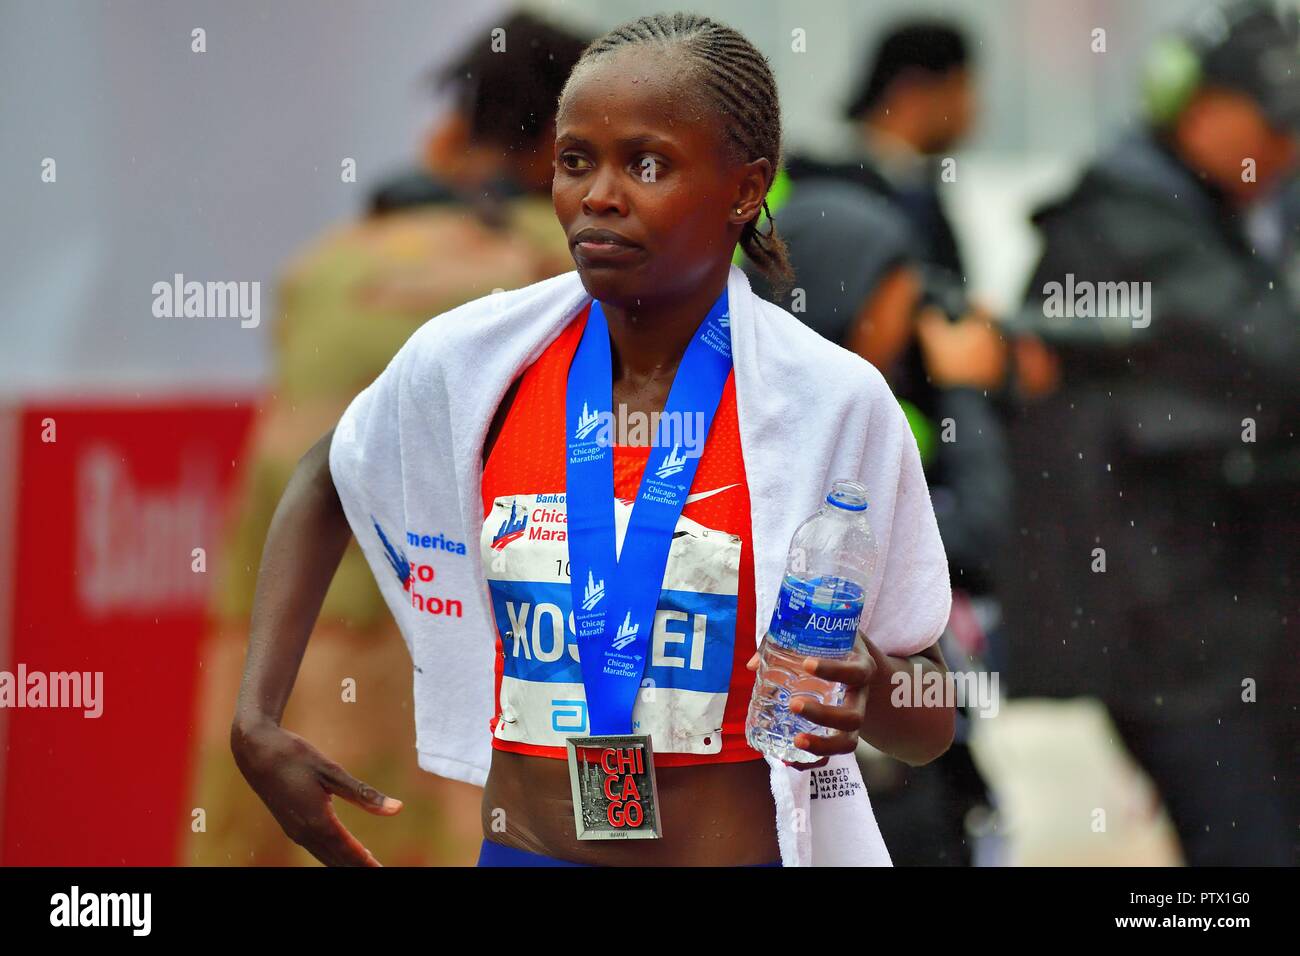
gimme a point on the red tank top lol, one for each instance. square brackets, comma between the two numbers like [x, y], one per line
[695, 689]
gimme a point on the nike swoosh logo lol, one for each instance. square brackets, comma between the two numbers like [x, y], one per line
[700, 495]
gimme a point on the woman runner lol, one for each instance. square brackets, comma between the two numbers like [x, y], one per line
[668, 137]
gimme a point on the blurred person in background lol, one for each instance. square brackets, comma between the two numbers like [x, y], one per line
[878, 262]
[494, 143]
[859, 283]
[914, 106]
[1155, 561]
[477, 216]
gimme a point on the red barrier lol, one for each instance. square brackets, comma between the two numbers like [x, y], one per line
[112, 502]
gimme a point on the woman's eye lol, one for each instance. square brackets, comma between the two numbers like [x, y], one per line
[573, 162]
[649, 168]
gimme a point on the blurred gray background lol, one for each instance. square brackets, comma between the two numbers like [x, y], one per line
[218, 165]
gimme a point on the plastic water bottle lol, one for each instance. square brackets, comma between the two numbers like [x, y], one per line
[832, 557]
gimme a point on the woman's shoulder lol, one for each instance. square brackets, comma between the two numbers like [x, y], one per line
[500, 306]
[470, 331]
[803, 351]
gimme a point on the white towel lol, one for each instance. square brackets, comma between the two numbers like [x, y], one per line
[407, 458]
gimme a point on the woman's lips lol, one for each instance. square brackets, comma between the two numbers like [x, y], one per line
[601, 251]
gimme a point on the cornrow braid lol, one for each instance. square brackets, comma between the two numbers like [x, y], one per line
[737, 84]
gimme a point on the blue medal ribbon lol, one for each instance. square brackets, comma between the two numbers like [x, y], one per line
[615, 593]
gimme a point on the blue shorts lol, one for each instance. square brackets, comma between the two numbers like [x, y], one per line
[494, 854]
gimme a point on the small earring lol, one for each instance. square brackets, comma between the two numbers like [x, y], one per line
[738, 211]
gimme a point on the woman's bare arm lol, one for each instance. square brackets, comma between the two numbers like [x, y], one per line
[304, 545]
[914, 735]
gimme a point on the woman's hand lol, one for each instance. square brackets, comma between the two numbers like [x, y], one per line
[296, 781]
[856, 673]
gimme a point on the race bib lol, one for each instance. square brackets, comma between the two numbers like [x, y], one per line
[691, 650]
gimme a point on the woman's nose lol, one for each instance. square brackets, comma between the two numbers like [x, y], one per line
[604, 194]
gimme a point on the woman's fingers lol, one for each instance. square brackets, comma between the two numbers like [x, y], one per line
[812, 765]
[346, 847]
[325, 838]
[847, 717]
[854, 671]
[840, 743]
[338, 781]
[295, 781]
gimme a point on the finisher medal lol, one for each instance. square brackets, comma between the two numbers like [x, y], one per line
[615, 796]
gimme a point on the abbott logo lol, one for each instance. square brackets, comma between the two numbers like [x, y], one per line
[103, 909]
[594, 591]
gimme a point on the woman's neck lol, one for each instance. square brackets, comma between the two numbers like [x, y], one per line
[647, 341]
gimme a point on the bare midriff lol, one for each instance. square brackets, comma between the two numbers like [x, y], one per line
[718, 814]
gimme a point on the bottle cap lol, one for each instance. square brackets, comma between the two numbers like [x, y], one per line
[849, 495]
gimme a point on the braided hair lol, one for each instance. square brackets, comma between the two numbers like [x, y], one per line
[736, 84]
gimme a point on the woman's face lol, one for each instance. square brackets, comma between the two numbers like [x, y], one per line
[645, 193]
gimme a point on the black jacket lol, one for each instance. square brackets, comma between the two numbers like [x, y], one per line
[1140, 459]
[921, 207]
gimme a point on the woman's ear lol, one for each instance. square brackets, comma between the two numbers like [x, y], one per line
[755, 179]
